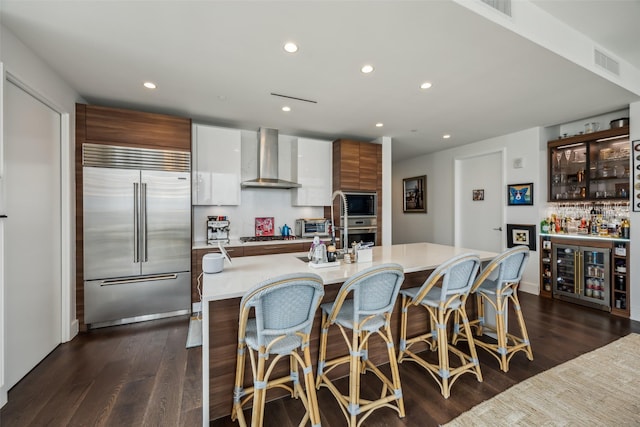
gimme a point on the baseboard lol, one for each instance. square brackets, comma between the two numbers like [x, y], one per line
[196, 307]
[75, 328]
[3, 396]
[530, 288]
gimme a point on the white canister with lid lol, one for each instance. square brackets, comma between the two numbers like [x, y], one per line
[212, 263]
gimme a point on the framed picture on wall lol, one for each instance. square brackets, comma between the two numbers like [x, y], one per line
[415, 194]
[520, 194]
[521, 234]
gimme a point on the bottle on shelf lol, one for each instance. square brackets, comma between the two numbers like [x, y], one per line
[625, 229]
[593, 221]
[544, 226]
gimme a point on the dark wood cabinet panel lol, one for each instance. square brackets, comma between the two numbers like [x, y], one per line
[135, 128]
[346, 155]
[369, 166]
[273, 248]
[357, 166]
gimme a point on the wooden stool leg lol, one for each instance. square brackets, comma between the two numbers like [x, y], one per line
[501, 331]
[236, 412]
[404, 311]
[471, 342]
[523, 327]
[395, 373]
[480, 308]
[443, 352]
[312, 398]
[354, 378]
[259, 391]
[322, 354]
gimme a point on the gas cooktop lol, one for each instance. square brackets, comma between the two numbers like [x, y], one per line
[265, 238]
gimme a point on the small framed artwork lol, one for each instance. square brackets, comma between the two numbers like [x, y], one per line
[478, 195]
[520, 194]
[415, 194]
[521, 234]
[264, 226]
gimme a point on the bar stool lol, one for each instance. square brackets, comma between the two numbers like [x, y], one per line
[497, 285]
[456, 277]
[284, 310]
[375, 290]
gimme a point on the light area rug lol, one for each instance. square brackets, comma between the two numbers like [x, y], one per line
[194, 336]
[599, 388]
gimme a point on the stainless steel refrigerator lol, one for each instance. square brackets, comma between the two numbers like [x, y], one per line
[137, 234]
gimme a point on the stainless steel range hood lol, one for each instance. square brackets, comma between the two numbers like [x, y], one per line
[268, 163]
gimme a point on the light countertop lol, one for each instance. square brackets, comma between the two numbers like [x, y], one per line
[585, 237]
[246, 272]
[202, 244]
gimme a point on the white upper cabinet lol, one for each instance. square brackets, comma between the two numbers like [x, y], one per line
[216, 165]
[311, 166]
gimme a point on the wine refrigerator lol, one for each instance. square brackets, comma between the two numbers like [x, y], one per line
[582, 275]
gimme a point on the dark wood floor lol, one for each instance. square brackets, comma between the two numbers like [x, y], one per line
[142, 375]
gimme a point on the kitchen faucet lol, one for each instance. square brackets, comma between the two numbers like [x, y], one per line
[345, 234]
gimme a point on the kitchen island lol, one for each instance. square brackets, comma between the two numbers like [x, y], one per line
[222, 292]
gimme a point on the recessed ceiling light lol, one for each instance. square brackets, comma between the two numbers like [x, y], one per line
[285, 108]
[379, 125]
[367, 69]
[425, 85]
[149, 85]
[291, 47]
[446, 136]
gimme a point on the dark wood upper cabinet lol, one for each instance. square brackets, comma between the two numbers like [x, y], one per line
[115, 126]
[590, 167]
[356, 165]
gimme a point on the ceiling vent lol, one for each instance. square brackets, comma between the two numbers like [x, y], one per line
[502, 6]
[606, 62]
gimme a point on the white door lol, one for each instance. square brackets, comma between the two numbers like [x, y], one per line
[32, 231]
[479, 221]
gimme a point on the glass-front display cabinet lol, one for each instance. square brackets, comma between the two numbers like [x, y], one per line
[594, 166]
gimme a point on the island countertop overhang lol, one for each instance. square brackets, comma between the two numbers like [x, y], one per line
[245, 272]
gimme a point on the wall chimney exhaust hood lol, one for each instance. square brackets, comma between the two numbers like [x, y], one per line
[268, 163]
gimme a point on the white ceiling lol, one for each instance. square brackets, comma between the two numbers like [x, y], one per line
[219, 61]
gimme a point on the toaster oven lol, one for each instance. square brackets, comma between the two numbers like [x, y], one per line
[309, 227]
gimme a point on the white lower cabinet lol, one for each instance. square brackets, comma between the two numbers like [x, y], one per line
[216, 165]
[311, 166]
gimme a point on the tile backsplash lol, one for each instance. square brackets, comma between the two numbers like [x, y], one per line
[255, 203]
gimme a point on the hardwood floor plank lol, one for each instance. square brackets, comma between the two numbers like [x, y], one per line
[166, 398]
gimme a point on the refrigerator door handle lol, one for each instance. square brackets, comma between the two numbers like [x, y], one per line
[143, 221]
[136, 228]
[138, 279]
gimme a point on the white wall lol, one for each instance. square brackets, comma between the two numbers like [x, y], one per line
[437, 225]
[22, 65]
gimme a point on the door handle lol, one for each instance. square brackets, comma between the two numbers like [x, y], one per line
[498, 229]
[136, 225]
[143, 221]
